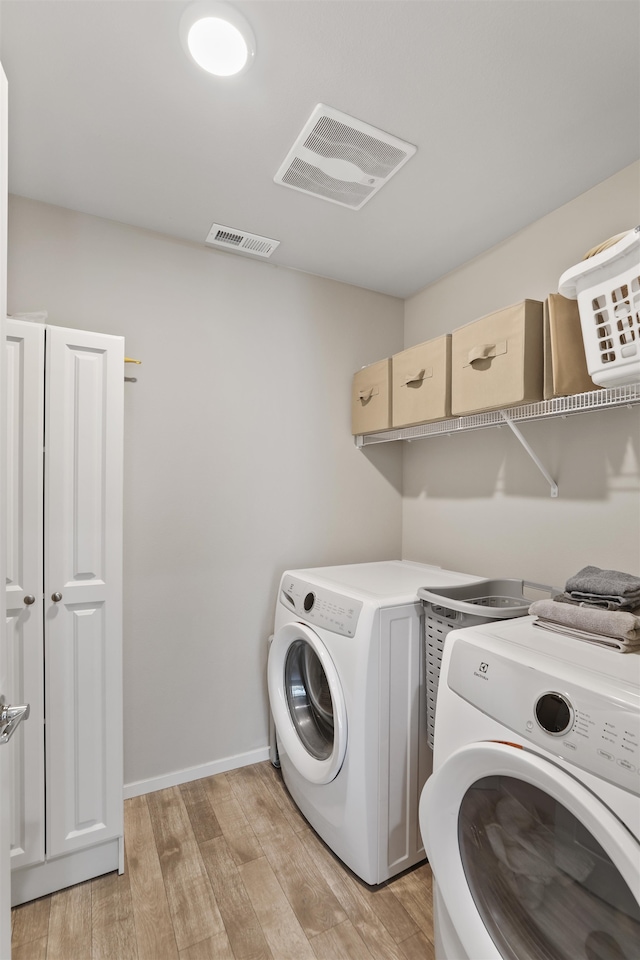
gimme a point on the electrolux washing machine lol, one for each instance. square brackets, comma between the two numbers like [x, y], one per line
[531, 819]
[347, 693]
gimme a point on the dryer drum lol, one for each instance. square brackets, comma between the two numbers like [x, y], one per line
[541, 882]
[309, 699]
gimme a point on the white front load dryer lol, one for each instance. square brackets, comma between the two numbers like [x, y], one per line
[346, 682]
[531, 819]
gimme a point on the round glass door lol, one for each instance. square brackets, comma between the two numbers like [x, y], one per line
[541, 882]
[309, 699]
[307, 703]
[528, 862]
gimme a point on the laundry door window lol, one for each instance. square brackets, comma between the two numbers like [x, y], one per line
[542, 884]
[309, 699]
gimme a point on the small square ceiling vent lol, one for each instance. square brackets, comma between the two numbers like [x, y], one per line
[239, 240]
[341, 159]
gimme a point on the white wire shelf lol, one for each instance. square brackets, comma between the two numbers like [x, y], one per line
[544, 410]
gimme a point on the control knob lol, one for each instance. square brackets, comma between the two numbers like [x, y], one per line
[554, 713]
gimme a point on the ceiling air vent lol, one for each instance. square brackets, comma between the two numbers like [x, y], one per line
[231, 239]
[341, 159]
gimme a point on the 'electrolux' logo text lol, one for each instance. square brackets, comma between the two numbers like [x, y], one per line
[482, 671]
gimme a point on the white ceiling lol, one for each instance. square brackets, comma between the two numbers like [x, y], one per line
[516, 107]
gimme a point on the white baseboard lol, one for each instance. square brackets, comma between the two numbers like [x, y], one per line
[139, 787]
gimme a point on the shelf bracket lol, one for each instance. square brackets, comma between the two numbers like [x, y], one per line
[543, 470]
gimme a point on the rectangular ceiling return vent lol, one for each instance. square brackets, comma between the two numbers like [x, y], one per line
[239, 240]
[341, 159]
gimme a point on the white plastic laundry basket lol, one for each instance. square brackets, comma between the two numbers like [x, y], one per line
[607, 288]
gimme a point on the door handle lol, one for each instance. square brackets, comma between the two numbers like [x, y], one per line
[29, 599]
[56, 597]
[10, 717]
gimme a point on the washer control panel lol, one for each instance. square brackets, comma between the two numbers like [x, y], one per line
[321, 607]
[599, 732]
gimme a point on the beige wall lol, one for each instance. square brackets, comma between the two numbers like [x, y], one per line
[240, 463]
[239, 458]
[476, 500]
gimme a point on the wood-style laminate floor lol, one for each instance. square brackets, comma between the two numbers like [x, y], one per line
[226, 868]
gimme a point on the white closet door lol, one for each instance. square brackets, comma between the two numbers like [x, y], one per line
[83, 588]
[24, 597]
[5, 776]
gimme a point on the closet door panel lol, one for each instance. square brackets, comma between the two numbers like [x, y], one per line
[83, 585]
[24, 557]
[26, 747]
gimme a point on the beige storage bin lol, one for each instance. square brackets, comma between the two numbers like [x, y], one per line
[565, 363]
[497, 361]
[421, 379]
[371, 398]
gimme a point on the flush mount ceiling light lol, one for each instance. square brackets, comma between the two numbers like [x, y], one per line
[217, 37]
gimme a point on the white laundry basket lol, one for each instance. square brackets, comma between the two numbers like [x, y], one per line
[467, 605]
[607, 288]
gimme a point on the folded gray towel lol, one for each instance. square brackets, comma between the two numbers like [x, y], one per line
[593, 585]
[606, 623]
[629, 602]
[594, 580]
[610, 643]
